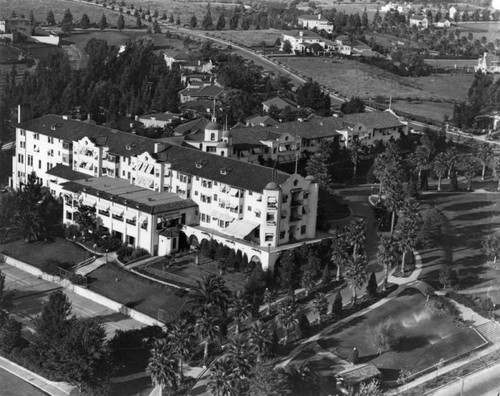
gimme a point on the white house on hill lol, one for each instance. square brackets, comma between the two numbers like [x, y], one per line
[315, 21]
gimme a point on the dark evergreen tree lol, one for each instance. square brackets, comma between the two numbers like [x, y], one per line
[193, 22]
[84, 21]
[310, 95]
[120, 23]
[326, 277]
[221, 22]
[51, 20]
[67, 22]
[207, 23]
[103, 23]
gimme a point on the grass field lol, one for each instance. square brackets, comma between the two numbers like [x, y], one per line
[249, 38]
[11, 385]
[432, 110]
[134, 291]
[490, 30]
[352, 78]
[424, 337]
[35, 253]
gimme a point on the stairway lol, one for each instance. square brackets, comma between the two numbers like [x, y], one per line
[491, 331]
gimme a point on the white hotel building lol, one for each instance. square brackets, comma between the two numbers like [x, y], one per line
[158, 196]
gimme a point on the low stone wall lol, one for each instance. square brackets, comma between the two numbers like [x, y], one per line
[30, 269]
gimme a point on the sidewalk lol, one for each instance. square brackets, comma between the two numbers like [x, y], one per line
[49, 387]
[97, 263]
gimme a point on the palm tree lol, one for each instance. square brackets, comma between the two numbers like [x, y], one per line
[407, 238]
[339, 252]
[356, 275]
[207, 327]
[356, 236]
[162, 366]
[27, 225]
[496, 171]
[224, 378]
[240, 310]
[484, 152]
[440, 167]
[211, 292]
[287, 316]
[419, 160]
[469, 171]
[394, 200]
[242, 352]
[180, 337]
[260, 337]
[387, 254]
[354, 152]
[307, 281]
[320, 304]
[451, 158]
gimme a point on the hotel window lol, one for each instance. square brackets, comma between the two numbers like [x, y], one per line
[249, 208]
[270, 218]
[50, 139]
[22, 132]
[215, 197]
[39, 164]
[30, 160]
[269, 237]
[22, 144]
[20, 158]
[282, 234]
[303, 229]
[36, 136]
[68, 216]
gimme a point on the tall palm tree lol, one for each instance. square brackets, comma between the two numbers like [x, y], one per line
[27, 225]
[287, 316]
[211, 292]
[356, 235]
[339, 251]
[469, 171]
[407, 238]
[224, 378]
[451, 158]
[387, 253]
[439, 166]
[356, 275]
[354, 152]
[419, 160]
[394, 199]
[484, 153]
[207, 327]
[181, 340]
[162, 366]
[260, 337]
[240, 310]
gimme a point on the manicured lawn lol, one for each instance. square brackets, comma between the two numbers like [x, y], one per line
[471, 217]
[135, 292]
[137, 387]
[11, 385]
[425, 338]
[35, 253]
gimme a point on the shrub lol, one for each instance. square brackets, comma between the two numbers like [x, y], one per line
[110, 244]
[52, 266]
[71, 231]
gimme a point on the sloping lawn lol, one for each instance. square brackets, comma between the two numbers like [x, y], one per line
[35, 253]
[424, 339]
[135, 292]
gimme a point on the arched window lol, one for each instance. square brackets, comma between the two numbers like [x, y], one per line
[212, 136]
[222, 153]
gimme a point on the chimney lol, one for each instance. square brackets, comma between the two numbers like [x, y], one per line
[19, 118]
[159, 147]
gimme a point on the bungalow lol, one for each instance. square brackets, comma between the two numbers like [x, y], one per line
[443, 23]
[200, 92]
[158, 120]
[280, 104]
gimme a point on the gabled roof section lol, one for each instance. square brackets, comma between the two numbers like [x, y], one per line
[280, 103]
[119, 143]
[258, 120]
[221, 169]
[374, 119]
[160, 116]
[309, 17]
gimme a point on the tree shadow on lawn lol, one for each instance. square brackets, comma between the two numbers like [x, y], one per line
[474, 216]
[409, 343]
[466, 206]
